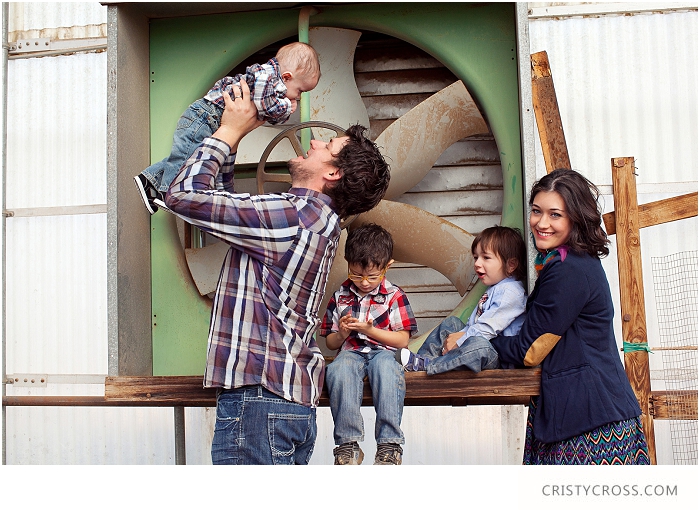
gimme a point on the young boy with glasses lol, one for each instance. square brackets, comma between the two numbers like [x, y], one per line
[368, 319]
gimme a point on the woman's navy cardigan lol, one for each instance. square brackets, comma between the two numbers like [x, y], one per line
[569, 330]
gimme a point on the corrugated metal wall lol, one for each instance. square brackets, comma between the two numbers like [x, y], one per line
[626, 85]
[56, 264]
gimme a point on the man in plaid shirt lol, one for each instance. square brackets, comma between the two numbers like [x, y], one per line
[275, 89]
[262, 354]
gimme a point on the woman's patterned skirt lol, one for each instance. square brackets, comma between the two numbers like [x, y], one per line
[616, 443]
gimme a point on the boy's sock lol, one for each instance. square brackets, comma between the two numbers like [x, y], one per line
[411, 362]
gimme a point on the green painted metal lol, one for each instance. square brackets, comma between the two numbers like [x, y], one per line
[476, 41]
[305, 103]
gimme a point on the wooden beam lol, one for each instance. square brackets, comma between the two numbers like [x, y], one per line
[160, 391]
[549, 126]
[659, 212]
[629, 265]
[491, 387]
[675, 405]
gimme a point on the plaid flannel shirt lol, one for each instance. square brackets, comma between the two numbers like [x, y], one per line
[387, 305]
[272, 281]
[266, 89]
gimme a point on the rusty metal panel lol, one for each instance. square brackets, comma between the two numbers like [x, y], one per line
[374, 54]
[75, 19]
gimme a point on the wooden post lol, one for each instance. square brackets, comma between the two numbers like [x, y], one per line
[629, 265]
[549, 126]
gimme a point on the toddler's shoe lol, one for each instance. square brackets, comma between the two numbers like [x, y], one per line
[348, 454]
[411, 362]
[388, 454]
[147, 192]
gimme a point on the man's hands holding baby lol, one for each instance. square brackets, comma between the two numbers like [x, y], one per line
[239, 118]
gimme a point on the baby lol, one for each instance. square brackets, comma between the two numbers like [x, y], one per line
[275, 88]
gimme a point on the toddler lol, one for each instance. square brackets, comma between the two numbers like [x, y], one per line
[499, 261]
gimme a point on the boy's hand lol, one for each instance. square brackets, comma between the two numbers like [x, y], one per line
[343, 329]
[359, 326]
[451, 342]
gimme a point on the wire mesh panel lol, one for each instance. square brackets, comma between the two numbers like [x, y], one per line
[676, 292]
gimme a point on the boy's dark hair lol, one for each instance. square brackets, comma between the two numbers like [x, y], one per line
[507, 244]
[581, 204]
[369, 245]
[364, 175]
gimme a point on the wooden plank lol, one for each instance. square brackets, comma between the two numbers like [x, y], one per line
[659, 212]
[629, 265]
[675, 405]
[160, 391]
[549, 125]
[450, 388]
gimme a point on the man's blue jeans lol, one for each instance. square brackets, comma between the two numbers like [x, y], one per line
[199, 121]
[256, 427]
[475, 354]
[344, 378]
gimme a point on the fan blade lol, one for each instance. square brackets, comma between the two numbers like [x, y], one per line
[336, 98]
[205, 265]
[413, 142]
[423, 238]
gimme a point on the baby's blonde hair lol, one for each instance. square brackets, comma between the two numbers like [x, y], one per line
[299, 57]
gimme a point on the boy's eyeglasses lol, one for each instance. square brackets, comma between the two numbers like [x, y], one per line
[370, 278]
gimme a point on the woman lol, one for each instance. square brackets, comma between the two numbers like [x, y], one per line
[586, 412]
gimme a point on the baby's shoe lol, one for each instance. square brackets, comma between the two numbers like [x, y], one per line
[147, 192]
